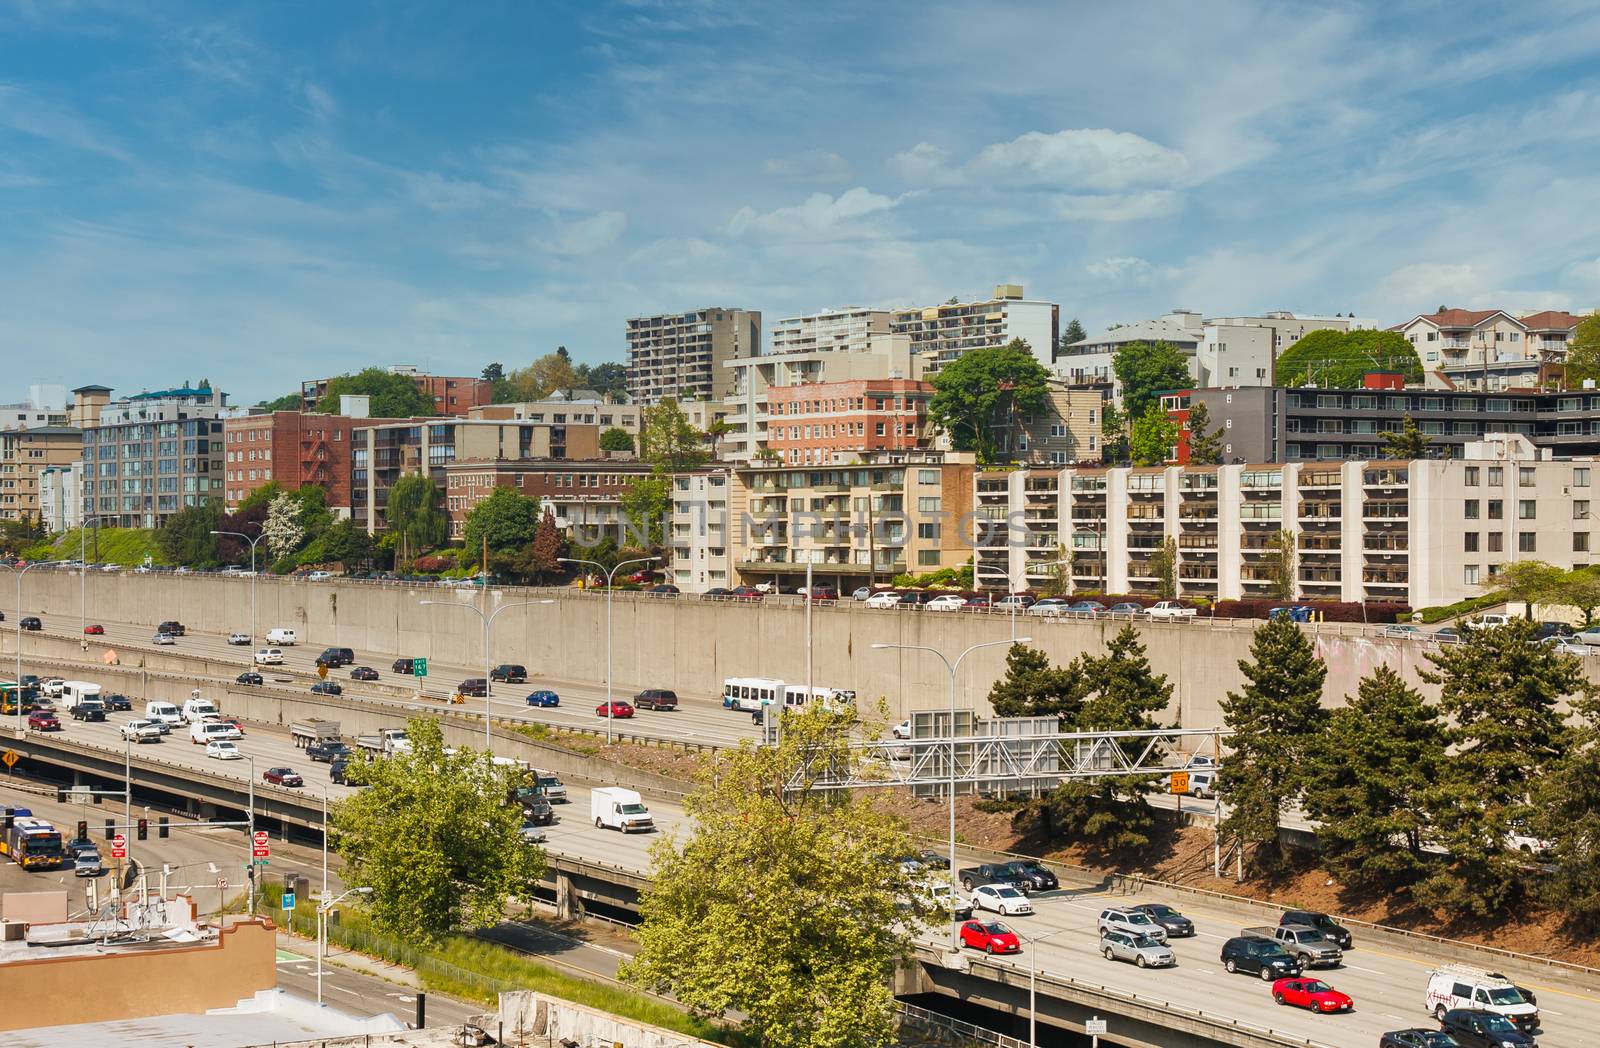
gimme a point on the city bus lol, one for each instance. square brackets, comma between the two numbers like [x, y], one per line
[750, 694]
[32, 843]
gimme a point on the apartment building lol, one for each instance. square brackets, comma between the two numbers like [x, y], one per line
[829, 423]
[291, 448]
[46, 405]
[153, 454]
[944, 332]
[1066, 431]
[61, 497]
[1492, 346]
[1088, 363]
[898, 512]
[25, 455]
[1420, 533]
[681, 354]
[581, 411]
[707, 507]
[585, 496]
[850, 329]
[1243, 351]
[451, 394]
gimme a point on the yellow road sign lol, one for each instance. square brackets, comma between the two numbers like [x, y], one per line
[11, 757]
[322, 670]
[1179, 783]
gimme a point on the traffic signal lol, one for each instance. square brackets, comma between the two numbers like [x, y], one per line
[111, 831]
[161, 827]
[144, 829]
[61, 795]
[83, 829]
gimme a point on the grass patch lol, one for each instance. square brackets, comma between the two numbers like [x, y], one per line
[127, 546]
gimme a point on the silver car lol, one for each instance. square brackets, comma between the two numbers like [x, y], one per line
[1137, 949]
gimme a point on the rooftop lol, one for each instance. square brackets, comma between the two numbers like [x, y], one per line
[272, 1017]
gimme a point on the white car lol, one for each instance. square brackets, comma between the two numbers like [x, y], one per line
[223, 750]
[946, 602]
[1133, 922]
[902, 730]
[1049, 607]
[269, 657]
[239, 639]
[318, 576]
[1489, 621]
[142, 731]
[885, 599]
[1002, 899]
[163, 638]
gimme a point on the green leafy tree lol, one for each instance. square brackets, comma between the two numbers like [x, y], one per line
[494, 373]
[185, 538]
[666, 439]
[1274, 718]
[343, 541]
[615, 439]
[1164, 566]
[1580, 589]
[716, 432]
[1073, 334]
[1567, 806]
[434, 839]
[1583, 353]
[645, 504]
[982, 393]
[393, 396]
[1205, 443]
[1144, 369]
[1114, 434]
[1530, 582]
[1409, 443]
[784, 903]
[1278, 564]
[261, 496]
[287, 402]
[1498, 689]
[1154, 436]
[1031, 687]
[1368, 773]
[507, 519]
[1341, 359]
[415, 513]
[609, 379]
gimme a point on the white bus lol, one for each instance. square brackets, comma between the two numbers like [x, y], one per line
[749, 694]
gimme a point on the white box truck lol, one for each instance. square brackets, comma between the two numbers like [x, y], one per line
[619, 809]
[75, 691]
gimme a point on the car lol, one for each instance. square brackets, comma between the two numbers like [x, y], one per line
[1401, 631]
[1001, 898]
[1254, 955]
[1472, 1028]
[363, 673]
[172, 626]
[748, 593]
[333, 658]
[1447, 635]
[163, 638]
[1331, 929]
[223, 750]
[30, 623]
[1175, 924]
[319, 576]
[861, 593]
[404, 666]
[52, 687]
[239, 640]
[1314, 994]
[978, 600]
[43, 720]
[282, 777]
[615, 708]
[473, 687]
[94, 630]
[116, 702]
[510, 673]
[990, 937]
[942, 899]
[1130, 920]
[238, 725]
[86, 860]
[902, 730]
[946, 602]
[1132, 609]
[656, 699]
[1142, 950]
[337, 769]
[819, 593]
[1021, 601]
[1568, 645]
[884, 599]
[665, 589]
[1520, 837]
[249, 677]
[1031, 876]
[1049, 607]
[1545, 630]
[88, 711]
[141, 731]
[1087, 607]
[328, 751]
[716, 593]
[544, 698]
[1489, 620]
[1415, 1038]
[327, 687]
[643, 575]
[269, 657]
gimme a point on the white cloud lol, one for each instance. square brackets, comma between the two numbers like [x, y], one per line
[1115, 207]
[812, 165]
[924, 164]
[1128, 269]
[586, 235]
[677, 253]
[820, 214]
[1085, 158]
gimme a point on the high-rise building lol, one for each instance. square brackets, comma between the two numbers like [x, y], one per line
[948, 331]
[1243, 351]
[25, 454]
[836, 422]
[680, 355]
[153, 454]
[848, 330]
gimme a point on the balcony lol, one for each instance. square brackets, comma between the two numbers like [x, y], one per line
[1395, 511]
[1386, 543]
[1321, 511]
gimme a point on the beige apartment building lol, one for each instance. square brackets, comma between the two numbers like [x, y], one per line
[707, 506]
[24, 455]
[681, 354]
[1421, 533]
[944, 332]
[850, 329]
[1491, 349]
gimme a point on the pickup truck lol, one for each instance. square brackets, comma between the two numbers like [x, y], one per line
[1171, 609]
[993, 873]
[1304, 943]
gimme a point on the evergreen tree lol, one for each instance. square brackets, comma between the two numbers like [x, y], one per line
[1567, 801]
[1205, 443]
[1073, 334]
[1368, 773]
[1032, 687]
[1273, 718]
[1498, 689]
[1409, 443]
[548, 547]
[1164, 566]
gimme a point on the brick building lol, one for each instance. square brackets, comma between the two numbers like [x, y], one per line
[825, 423]
[584, 494]
[292, 448]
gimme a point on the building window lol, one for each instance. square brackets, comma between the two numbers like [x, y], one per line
[928, 504]
[1471, 543]
[927, 476]
[1527, 542]
[927, 531]
[1497, 476]
[1527, 509]
[1471, 509]
[1580, 509]
[928, 558]
[1497, 509]
[1497, 542]
[1471, 479]
[1580, 477]
[1469, 574]
[1580, 542]
[1525, 477]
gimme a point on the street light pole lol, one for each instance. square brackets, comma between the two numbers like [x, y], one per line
[325, 904]
[488, 624]
[953, 668]
[250, 840]
[252, 541]
[1033, 983]
[83, 567]
[609, 576]
[17, 693]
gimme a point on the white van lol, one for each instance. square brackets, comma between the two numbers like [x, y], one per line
[1459, 986]
[165, 712]
[282, 637]
[202, 732]
[619, 809]
[198, 709]
[74, 692]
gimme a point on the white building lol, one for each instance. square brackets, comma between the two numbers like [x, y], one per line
[707, 506]
[848, 329]
[947, 331]
[61, 497]
[1088, 363]
[1243, 351]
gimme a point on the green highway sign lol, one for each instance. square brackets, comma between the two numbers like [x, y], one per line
[419, 667]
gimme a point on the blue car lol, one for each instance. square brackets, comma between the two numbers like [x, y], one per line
[544, 698]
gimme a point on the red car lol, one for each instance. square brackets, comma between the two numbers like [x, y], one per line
[1311, 993]
[283, 777]
[747, 593]
[229, 720]
[43, 720]
[94, 631]
[618, 709]
[990, 937]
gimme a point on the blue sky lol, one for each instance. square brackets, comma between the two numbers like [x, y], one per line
[257, 193]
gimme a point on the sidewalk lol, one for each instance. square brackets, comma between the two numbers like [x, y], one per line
[337, 956]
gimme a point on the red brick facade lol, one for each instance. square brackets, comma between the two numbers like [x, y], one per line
[836, 422]
[291, 448]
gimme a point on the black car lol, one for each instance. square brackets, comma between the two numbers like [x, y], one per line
[1418, 1039]
[1036, 877]
[89, 711]
[1263, 957]
[333, 658]
[172, 626]
[716, 592]
[327, 752]
[656, 699]
[536, 807]
[509, 673]
[1475, 1029]
[326, 687]
[663, 590]
[1331, 929]
[405, 666]
[1177, 925]
[363, 673]
[249, 677]
[336, 770]
[473, 687]
[117, 703]
[31, 622]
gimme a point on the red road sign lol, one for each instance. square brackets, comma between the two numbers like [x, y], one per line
[119, 847]
[259, 848]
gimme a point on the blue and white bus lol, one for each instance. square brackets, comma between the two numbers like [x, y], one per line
[750, 694]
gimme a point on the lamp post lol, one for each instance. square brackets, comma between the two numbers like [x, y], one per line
[19, 572]
[1033, 982]
[324, 904]
[488, 625]
[83, 568]
[953, 668]
[252, 541]
[250, 839]
[609, 575]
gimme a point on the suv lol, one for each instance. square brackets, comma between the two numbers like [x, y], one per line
[656, 699]
[509, 673]
[172, 626]
[1331, 929]
[405, 666]
[1472, 1028]
[1257, 956]
[1134, 922]
[333, 658]
[473, 687]
[1035, 877]
[31, 623]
